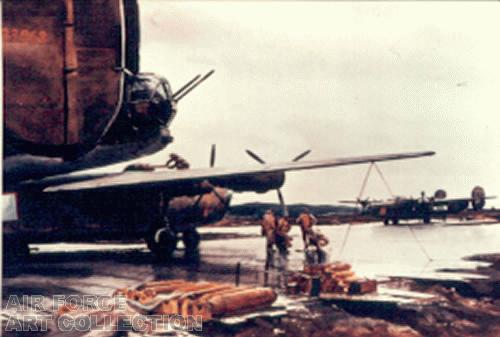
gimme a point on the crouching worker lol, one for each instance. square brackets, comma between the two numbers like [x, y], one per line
[314, 251]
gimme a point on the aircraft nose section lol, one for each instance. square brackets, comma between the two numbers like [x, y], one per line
[151, 100]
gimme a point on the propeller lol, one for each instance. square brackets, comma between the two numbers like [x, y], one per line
[213, 153]
[282, 202]
[212, 164]
[302, 155]
[212, 156]
[208, 184]
[281, 199]
[256, 157]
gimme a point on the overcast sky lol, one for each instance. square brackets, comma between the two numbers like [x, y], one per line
[339, 78]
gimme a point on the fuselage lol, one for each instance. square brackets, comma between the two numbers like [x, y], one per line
[108, 215]
[74, 98]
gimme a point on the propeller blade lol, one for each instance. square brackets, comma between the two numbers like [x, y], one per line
[212, 156]
[229, 196]
[256, 157]
[282, 202]
[302, 155]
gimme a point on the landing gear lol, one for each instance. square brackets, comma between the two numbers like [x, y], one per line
[162, 243]
[394, 221]
[191, 240]
[426, 213]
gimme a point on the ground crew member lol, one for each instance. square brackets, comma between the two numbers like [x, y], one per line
[306, 221]
[177, 162]
[314, 252]
[282, 240]
[269, 224]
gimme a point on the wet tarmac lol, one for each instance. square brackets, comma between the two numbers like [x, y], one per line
[417, 251]
[373, 250]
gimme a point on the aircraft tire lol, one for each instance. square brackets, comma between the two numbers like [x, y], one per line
[191, 240]
[162, 243]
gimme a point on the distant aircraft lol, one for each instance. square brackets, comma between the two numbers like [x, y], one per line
[423, 208]
[74, 99]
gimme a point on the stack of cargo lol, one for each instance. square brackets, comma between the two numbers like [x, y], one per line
[207, 299]
[334, 277]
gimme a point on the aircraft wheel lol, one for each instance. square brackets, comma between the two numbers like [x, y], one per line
[191, 240]
[162, 243]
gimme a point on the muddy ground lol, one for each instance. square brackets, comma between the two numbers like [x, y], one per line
[464, 311]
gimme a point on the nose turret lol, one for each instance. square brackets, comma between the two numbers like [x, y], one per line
[148, 110]
[150, 101]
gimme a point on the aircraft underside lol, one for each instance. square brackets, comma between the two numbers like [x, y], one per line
[77, 217]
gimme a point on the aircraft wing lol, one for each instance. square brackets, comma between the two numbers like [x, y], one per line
[383, 204]
[165, 178]
[441, 202]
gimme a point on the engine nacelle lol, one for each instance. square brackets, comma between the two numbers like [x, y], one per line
[201, 209]
[259, 183]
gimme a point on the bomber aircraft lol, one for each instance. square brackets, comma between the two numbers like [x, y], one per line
[74, 99]
[423, 208]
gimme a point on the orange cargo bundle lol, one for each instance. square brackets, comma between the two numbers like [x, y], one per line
[336, 277]
[207, 299]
